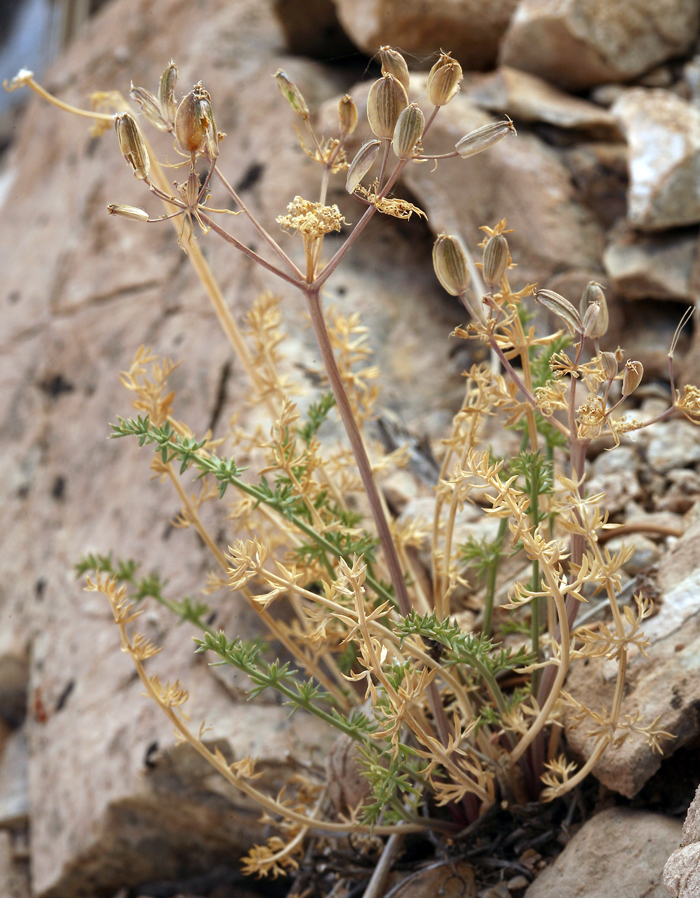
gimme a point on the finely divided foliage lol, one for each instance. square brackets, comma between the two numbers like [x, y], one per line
[441, 716]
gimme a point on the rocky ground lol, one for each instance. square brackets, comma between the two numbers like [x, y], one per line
[601, 183]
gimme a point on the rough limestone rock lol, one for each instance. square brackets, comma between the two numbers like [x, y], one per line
[663, 134]
[469, 29]
[525, 97]
[652, 266]
[682, 870]
[580, 43]
[619, 853]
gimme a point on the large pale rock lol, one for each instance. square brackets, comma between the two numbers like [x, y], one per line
[469, 29]
[580, 43]
[663, 134]
[527, 98]
[682, 870]
[652, 266]
[619, 853]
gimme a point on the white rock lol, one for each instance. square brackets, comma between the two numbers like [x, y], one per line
[652, 266]
[663, 134]
[673, 444]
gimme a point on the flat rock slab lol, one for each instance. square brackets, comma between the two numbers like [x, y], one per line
[682, 870]
[652, 266]
[619, 853]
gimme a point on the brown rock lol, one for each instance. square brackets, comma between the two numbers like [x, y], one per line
[682, 870]
[652, 266]
[311, 28]
[592, 863]
[663, 134]
[531, 99]
[579, 43]
[664, 685]
[470, 30]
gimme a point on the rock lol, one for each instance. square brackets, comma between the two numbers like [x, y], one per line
[673, 444]
[14, 784]
[663, 134]
[311, 28]
[580, 43]
[599, 171]
[652, 266]
[14, 870]
[682, 870]
[470, 30]
[665, 686]
[527, 98]
[449, 879]
[591, 864]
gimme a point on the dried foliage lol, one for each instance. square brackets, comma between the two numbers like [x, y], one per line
[377, 655]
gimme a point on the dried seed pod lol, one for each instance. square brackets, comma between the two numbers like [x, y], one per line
[609, 364]
[394, 64]
[166, 93]
[496, 258]
[291, 93]
[443, 80]
[592, 321]
[132, 144]
[631, 377]
[408, 131]
[483, 138]
[594, 295]
[451, 264]
[347, 114]
[195, 128]
[193, 189]
[361, 164]
[386, 101]
[131, 212]
[149, 107]
[562, 308]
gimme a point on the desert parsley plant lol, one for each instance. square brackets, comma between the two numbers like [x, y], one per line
[442, 720]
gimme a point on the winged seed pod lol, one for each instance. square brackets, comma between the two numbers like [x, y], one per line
[132, 144]
[166, 92]
[450, 264]
[127, 212]
[443, 80]
[385, 102]
[562, 308]
[361, 164]
[495, 259]
[631, 377]
[195, 129]
[347, 114]
[149, 107]
[593, 296]
[291, 93]
[482, 138]
[394, 64]
[609, 364]
[408, 131]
